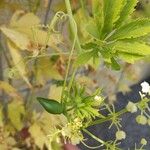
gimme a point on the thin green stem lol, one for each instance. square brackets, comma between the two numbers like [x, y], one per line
[93, 136]
[69, 11]
[75, 42]
[90, 147]
[71, 80]
[107, 118]
[68, 67]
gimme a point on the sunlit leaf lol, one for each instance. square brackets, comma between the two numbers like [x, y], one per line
[112, 10]
[133, 29]
[132, 51]
[128, 8]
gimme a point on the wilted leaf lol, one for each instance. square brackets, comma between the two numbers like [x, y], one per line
[28, 24]
[46, 70]
[55, 92]
[85, 81]
[38, 135]
[20, 40]
[43, 126]
[18, 61]
[124, 88]
[20, 19]
[11, 91]
[15, 113]
[7, 142]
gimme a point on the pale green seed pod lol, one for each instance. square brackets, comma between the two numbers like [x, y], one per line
[143, 141]
[131, 107]
[120, 135]
[141, 119]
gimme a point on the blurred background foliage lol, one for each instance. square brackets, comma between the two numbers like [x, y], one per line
[23, 76]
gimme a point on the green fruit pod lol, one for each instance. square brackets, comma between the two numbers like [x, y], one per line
[51, 106]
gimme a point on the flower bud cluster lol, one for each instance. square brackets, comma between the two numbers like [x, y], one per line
[72, 131]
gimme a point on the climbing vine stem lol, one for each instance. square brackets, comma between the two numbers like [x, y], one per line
[75, 43]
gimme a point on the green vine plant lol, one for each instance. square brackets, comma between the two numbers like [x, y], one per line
[109, 34]
[114, 37]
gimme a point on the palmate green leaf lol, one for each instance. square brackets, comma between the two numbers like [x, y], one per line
[92, 29]
[128, 8]
[84, 57]
[118, 5]
[97, 10]
[114, 64]
[133, 48]
[133, 29]
[89, 45]
[112, 9]
[132, 51]
[130, 58]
